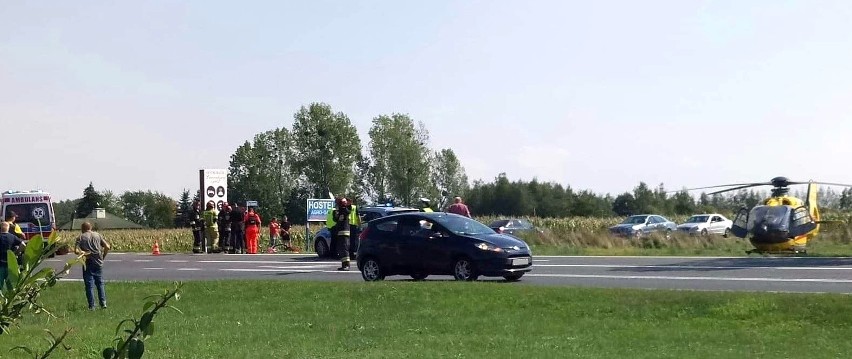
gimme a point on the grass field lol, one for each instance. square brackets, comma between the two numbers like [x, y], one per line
[294, 319]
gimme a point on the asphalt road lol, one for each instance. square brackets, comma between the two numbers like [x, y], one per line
[783, 274]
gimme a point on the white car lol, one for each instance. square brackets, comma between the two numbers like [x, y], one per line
[705, 224]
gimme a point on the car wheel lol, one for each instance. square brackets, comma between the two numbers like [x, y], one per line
[321, 247]
[419, 276]
[371, 271]
[513, 277]
[727, 232]
[704, 232]
[669, 233]
[465, 270]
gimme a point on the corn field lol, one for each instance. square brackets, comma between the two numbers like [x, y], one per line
[580, 235]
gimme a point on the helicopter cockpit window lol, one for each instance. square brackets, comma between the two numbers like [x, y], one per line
[772, 218]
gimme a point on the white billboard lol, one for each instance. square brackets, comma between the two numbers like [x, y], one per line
[214, 187]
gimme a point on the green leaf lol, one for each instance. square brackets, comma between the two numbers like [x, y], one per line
[34, 250]
[146, 319]
[24, 349]
[149, 330]
[12, 266]
[137, 349]
[173, 308]
[44, 273]
[108, 353]
[120, 324]
[148, 305]
[54, 236]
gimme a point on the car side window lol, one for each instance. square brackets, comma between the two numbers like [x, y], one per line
[653, 220]
[525, 224]
[409, 226]
[387, 227]
[369, 216]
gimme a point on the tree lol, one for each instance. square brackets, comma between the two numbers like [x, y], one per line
[110, 202]
[152, 209]
[448, 177]
[260, 171]
[325, 146]
[399, 158]
[624, 204]
[184, 207]
[64, 210]
[91, 200]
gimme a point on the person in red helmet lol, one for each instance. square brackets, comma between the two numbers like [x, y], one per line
[253, 224]
[342, 231]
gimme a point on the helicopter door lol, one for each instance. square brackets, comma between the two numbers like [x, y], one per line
[740, 225]
[801, 222]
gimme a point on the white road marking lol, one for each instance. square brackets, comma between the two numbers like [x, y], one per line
[665, 266]
[296, 267]
[735, 279]
[112, 260]
[178, 261]
[266, 262]
[143, 260]
[265, 270]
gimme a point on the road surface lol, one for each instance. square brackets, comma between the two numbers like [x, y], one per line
[790, 274]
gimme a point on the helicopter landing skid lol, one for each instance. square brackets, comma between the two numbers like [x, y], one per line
[791, 252]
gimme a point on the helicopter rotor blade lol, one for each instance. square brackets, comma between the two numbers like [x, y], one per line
[824, 183]
[721, 185]
[739, 188]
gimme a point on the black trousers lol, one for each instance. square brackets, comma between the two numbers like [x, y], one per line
[198, 241]
[341, 246]
[238, 239]
[225, 240]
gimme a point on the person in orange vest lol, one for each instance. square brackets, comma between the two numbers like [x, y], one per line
[274, 229]
[253, 224]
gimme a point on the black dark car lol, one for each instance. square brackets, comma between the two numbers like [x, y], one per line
[423, 243]
[322, 240]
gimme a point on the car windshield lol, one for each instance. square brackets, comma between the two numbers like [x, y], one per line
[463, 225]
[697, 219]
[634, 220]
[499, 223]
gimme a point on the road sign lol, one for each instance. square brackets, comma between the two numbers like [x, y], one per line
[318, 209]
[251, 203]
[214, 187]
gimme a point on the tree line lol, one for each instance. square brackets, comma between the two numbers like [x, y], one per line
[320, 155]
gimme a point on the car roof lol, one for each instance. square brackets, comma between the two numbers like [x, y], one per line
[707, 214]
[387, 209]
[434, 215]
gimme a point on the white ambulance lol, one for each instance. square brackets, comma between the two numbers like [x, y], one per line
[34, 211]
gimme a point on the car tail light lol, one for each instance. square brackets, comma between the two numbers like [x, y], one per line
[363, 235]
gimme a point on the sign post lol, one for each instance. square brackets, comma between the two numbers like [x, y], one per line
[214, 187]
[318, 209]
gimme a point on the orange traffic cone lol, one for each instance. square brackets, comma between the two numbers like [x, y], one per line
[156, 248]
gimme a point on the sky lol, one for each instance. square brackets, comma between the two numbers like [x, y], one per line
[598, 95]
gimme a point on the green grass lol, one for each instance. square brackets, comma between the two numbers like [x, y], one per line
[296, 319]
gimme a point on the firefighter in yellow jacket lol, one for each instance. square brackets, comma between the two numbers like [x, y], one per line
[341, 232]
[211, 228]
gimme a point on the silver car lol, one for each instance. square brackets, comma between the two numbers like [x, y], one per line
[705, 224]
[641, 225]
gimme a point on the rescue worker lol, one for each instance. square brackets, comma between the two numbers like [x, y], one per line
[196, 223]
[14, 228]
[341, 232]
[237, 217]
[211, 228]
[225, 229]
[425, 203]
[253, 224]
[354, 230]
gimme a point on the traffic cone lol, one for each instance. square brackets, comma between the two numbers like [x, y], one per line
[156, 251]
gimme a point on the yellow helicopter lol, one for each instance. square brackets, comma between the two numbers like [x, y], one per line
[780, 224]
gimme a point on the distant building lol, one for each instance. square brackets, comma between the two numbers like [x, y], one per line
[101, 220]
